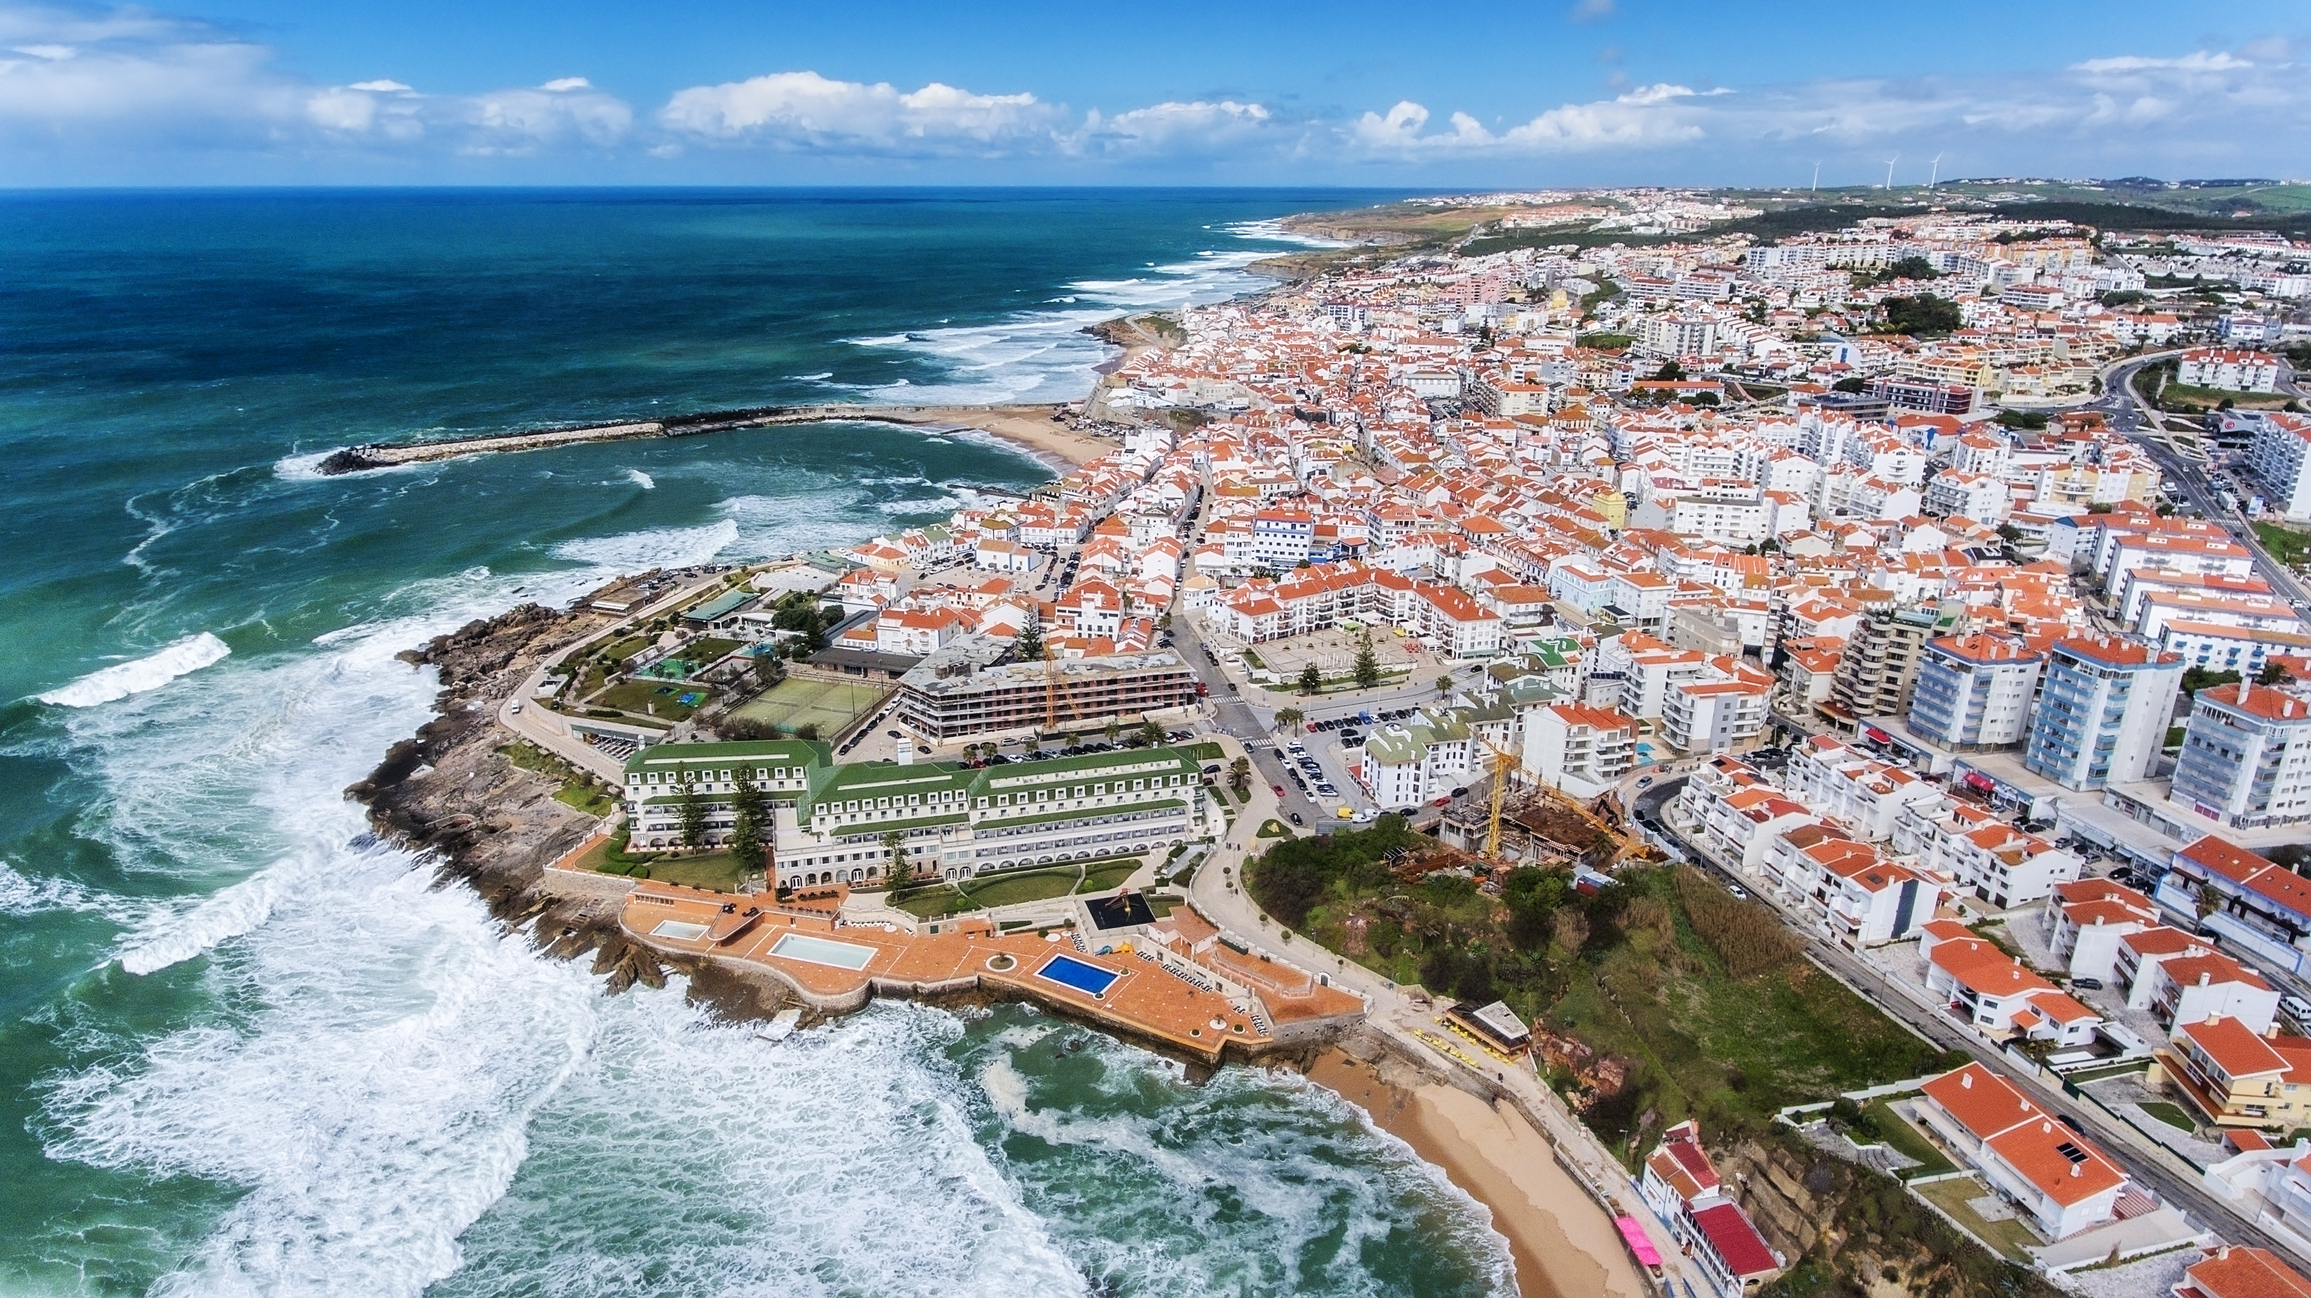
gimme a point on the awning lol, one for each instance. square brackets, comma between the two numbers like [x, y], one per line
[1639, 1246]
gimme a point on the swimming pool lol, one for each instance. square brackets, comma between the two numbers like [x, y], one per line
[819, 950]
[1068, 971]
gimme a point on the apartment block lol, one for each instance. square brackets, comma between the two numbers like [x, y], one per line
[2102, 714]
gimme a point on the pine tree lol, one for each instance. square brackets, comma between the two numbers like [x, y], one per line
[1311, 680]
[901, 872]
[1028, 647]
[1367, 663]
[746, 840]
[693, 816]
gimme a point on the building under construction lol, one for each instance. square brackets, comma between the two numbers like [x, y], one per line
[966, 691]
[1536, 826]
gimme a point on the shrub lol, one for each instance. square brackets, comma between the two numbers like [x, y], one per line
[1747, 937]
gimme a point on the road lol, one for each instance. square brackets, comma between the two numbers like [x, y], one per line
[546, 728]
[2175, 1182]
[2134, 417]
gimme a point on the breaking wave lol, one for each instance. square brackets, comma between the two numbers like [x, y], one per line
[147, 673]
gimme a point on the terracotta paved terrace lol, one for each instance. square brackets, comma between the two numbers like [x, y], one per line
[834, 964]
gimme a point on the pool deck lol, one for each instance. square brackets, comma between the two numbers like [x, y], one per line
[1161, 995]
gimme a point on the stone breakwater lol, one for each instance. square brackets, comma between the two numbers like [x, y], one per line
[355, 459]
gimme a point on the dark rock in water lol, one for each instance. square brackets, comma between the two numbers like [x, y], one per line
[349, 460]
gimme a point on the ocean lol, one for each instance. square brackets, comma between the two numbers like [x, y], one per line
[248, 1050]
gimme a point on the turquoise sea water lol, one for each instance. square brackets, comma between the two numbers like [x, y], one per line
[244, 1050]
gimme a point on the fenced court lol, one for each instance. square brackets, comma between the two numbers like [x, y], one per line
[798, 701]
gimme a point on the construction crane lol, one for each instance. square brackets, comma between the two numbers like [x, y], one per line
[1051, 691]
[1503, 763]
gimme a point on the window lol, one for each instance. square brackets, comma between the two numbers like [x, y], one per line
[1002, 799]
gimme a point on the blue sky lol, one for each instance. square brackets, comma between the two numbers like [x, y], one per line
[1562, 92]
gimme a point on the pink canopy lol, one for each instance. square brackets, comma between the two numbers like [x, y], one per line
[1638, 1244]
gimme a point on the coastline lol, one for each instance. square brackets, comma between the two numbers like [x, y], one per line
[1562, 1243]
[1060, 447]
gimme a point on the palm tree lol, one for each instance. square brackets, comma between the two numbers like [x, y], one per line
[1444, 683]
[1289, 718]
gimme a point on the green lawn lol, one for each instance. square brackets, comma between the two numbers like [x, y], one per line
[2170, 1114]
[2287, 545]
[1206, 751]
[628, 647]
[1878, 1118]
[589, 798]
[716, 870]
[659, 699]
[707, 649]
[1012, 889]
[1100, 876]
[1272, 829]
[2007, 1238]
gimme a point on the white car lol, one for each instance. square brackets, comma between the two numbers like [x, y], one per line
[516, 707]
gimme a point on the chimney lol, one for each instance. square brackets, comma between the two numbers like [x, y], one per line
[906, 751]
[2078, 1169]
[2205, 977]
[1966, 1081]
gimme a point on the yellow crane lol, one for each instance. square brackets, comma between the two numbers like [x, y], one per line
[1503, 763]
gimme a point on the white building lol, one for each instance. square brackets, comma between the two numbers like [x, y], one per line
[1973, 691]
[2246, 757]
[2102, 715]
[1579, 749]
[2276, 456]
[2229, 369]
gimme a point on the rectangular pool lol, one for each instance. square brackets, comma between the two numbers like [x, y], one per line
[683, 929]
[1068, 971]
[819, 950]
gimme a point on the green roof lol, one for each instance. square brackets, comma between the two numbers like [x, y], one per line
[718, 606]
[1083, 813]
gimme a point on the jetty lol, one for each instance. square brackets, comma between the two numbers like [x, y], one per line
[939, 419]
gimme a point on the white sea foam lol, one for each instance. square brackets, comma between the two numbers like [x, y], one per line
[641, 479]
[663, 547]
[1045, 355]
[22, 894]
[752, 1168]
[147, 673]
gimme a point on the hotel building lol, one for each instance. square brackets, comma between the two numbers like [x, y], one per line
[832, 818]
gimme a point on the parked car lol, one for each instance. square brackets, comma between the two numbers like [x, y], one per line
[1297, 820]
[1440, 802]
[2087, 984]
[1738, 891]
[2296, 1008]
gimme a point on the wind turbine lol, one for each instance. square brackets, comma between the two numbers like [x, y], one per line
[1890, 171]
[1936, 173]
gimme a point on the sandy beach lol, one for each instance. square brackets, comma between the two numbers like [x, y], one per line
[1563, 1243]
[1053, 442]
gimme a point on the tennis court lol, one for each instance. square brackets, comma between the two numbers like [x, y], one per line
[797, 701]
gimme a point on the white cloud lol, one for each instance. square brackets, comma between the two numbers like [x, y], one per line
[806, 109]
[567, 83]
[1173, 127]
[1589, 11]
[381, 85]
[1646, 117]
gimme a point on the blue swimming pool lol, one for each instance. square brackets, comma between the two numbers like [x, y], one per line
[1068, 971]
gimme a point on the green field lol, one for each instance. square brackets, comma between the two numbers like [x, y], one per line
[796, 702]
[2287, 545]
[658, 699]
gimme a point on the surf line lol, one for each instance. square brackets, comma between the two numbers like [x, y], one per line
[930, 419]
